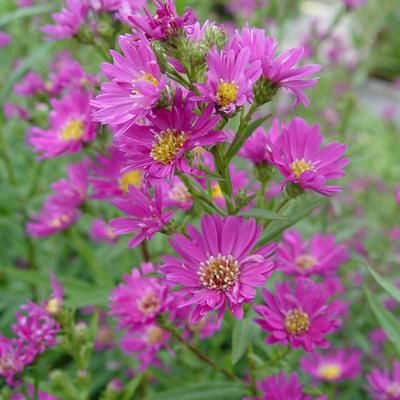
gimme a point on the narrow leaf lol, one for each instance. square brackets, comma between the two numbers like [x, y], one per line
[241, 337]
[24, 12]
[263, 213]
[131, 387]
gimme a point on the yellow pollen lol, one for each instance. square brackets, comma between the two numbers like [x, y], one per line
[220, 273]
[296, 322]
[110, 233]
[150, 78]
[199, 150]
[53, 306]
[133, 178]
[72, 130]
[305, 261]
[330, 372]
[216, 192]
[226, 93]
[57, 222]
[300, 166]
[167, 145]
[149, 303]
[154, 335]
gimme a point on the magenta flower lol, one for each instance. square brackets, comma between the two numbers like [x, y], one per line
[176, 194]
[5, 39]
[146, 216]
[280, 71]
[101, 231]
[35, 327]
[301, 317]
[51, 219]
[54, 303]
[230, 79]
[30, 85]
[351, 4]
[135, 84]
[13, 358]
[298, 156]
[320, 256]
[165, 23]
[108, 180]
[281, 388]
[159, 148]
[31, 390]
[254, 149]
[335, 366]
[216, 267]
[68, 21]
[139, 299]
[383, 385]
[70, 126]
[12, 110]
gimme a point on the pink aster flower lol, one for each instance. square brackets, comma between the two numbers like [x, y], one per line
[108, 180]
[320, 256]
[31, 390]
[383, 385]
[51, 219]
[176, 194]
[5, 39]
[230, 79]
[68, 21]
[12, 110]
[70, 126]
[145, 217]
[135, 84]
[13, 358]
[298, 156]
[351, 4]
[216, 267]
[139, 299]
[54, 303]
[281, 388]
[334, 366]
[159, 148]
[101, 231]
[254, 149]
[30, 85]
[165, 23]
[146, 342]
[301, 317]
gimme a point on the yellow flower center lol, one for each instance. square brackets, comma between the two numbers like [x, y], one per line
[53, 306]
[219, 273]
[216, 192]
[150, 78]
[329, 371]
[180, 193]
[73, 130]
[133, 178]
[305, 261]
[297, 322]
[226, 93]
[167, 145]
[154, 335]
[300, 166]
[149, 303]
[57, 222]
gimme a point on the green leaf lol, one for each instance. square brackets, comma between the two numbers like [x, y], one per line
[314, 391]
[131, 387]
[263, 213]
[388, 321]
[180, 6]
[241, 337]
[213, 390]
[295, 210]
[24, 12]
[383, 283]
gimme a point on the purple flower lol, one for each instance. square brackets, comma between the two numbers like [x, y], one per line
[145, 215]
[70, 126]
[351, 4]
[298, 156]
[334, 366]
[30, 85]
[383, 385]
[176, 194]
[254, 149]
[5, 39]
[13, 358]
[165, 23]
[301, 317]
[216, 267]
[101, 231]
[159, 148]
[320, 256]
[12, 110]
[31, 390]
[230, 79]
[139, 299]
[68, 21]
[135, 84]
[281, 388]
[54, 303]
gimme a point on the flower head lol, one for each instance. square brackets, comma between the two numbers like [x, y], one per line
[5, 39]
[159, 148]
[301, 317]
[216, 267]
[254, 149]
[230, 79]
[320, 256]
[30, 85]
[13, 358]
[335, 366]
[139, 299]
[135, 84]
[351, 4]
[383, 385]
[298, 156]
[70, 126]
[101, 231]
[68, 21]
[146, 216]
